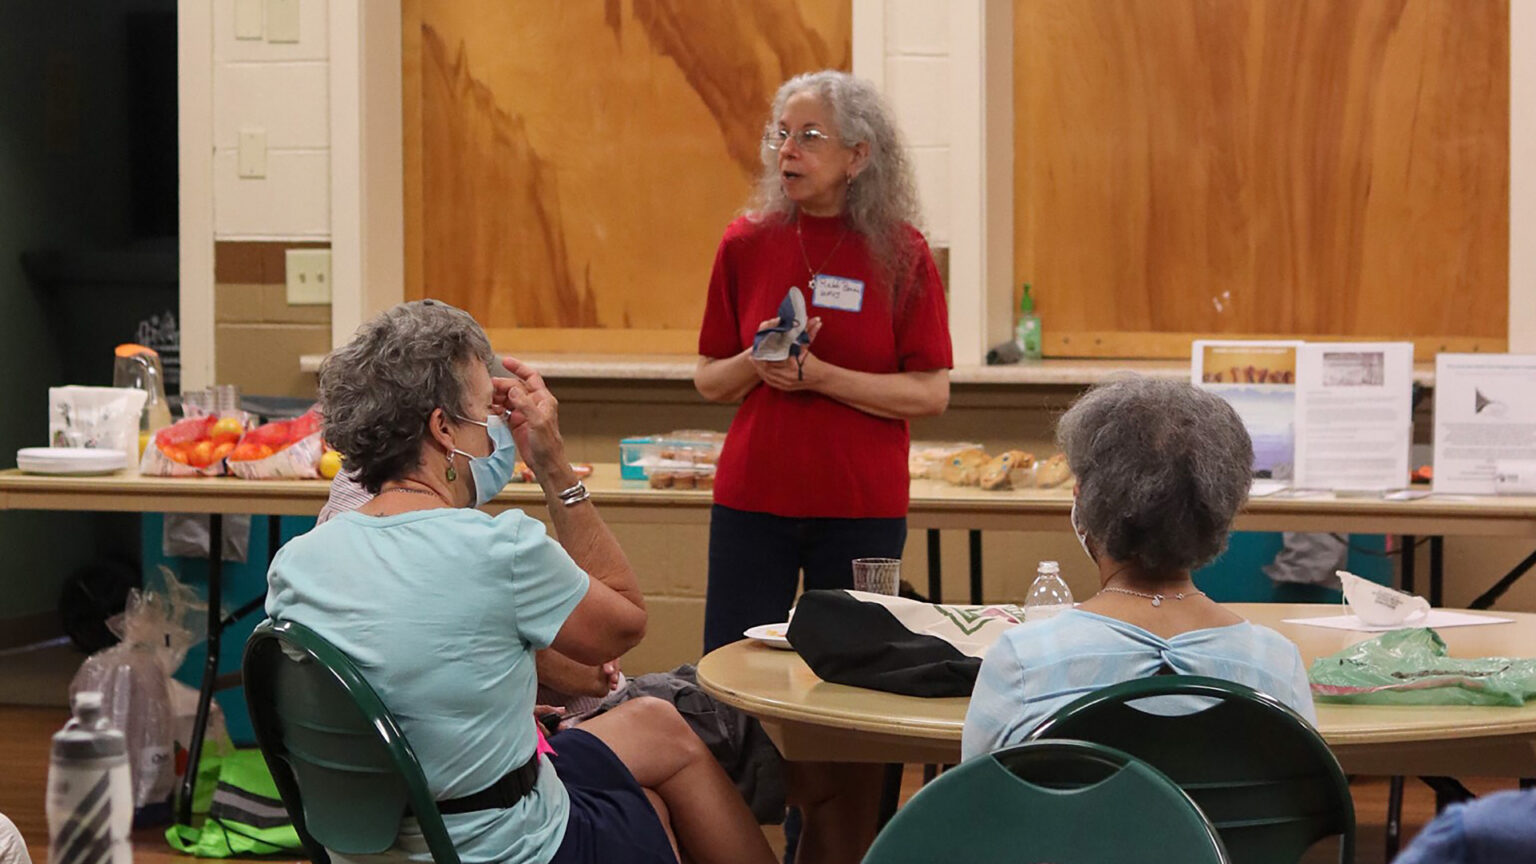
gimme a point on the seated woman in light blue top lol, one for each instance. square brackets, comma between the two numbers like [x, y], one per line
[1162, 469]
[442, 607]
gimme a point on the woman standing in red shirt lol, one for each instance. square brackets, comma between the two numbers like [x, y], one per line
[814, 470]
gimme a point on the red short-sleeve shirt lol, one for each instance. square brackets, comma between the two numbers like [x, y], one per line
[803, 454]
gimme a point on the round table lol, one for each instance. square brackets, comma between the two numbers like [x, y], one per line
[812, 720]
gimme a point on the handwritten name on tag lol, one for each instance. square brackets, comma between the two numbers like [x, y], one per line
[837, 292]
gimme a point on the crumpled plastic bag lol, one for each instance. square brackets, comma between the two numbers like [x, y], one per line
[280, 450]
[156, 629]
[1411, 667]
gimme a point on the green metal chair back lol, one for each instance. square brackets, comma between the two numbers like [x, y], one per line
[342, 766]
[1056, 801]
[1257, 768]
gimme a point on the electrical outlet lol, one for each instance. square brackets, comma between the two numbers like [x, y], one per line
[252, 155]
[309, 277]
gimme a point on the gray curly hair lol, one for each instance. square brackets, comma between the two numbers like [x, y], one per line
[883, 196]
[1162, 467]
[378, 391]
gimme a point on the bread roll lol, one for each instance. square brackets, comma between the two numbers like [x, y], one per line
[1000, 472]
[1053, 471]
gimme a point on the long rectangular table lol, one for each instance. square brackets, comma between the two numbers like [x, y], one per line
[934, 506]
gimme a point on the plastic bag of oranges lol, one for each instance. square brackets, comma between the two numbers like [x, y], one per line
[194, 447]
[280, 450]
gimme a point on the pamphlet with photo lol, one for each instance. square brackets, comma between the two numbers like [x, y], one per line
[1258, 379]
[1354, 415]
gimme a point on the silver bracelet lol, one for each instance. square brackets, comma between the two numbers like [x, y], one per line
[575, 495]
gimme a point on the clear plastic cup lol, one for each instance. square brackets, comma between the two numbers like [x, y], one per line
[877, 575]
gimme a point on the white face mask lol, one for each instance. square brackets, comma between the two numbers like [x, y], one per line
[1082, 538]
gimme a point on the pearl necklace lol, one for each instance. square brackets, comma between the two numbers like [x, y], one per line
[1157, 599]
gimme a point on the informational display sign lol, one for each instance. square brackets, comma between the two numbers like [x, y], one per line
[1258, 379]
[1485, 421]
[1354, 415]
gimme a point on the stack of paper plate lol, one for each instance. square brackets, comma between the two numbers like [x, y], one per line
[70, 460]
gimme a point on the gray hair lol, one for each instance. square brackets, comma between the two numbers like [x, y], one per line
[883, 197]
[1162, 467]
[378, 391]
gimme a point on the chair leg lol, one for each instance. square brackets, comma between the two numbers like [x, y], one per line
[1394, 816]
[890, 793]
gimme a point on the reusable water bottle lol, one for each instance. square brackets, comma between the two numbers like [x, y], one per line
[90, 797]
[1048, 595]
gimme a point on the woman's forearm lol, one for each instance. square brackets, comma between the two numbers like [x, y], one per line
[899, 395]
[587, 539]
[725, 380]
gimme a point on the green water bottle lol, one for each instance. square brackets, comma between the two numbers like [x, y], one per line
[1026, 334]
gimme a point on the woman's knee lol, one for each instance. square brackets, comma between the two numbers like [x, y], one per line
[665, 727]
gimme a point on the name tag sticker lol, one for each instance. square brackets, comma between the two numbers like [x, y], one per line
[837, 292]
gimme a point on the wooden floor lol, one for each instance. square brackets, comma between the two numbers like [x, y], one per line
[25, 732]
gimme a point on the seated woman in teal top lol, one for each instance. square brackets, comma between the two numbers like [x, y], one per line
[1162, 469]
[442, 607]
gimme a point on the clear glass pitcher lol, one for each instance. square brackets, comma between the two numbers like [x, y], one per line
[139, 367]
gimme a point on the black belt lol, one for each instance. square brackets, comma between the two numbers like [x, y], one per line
[499, 795]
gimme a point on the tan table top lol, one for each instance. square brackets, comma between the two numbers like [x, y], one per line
[934, 504]
[812, 719]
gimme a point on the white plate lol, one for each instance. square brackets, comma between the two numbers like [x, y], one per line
[70, 460]
[771, 635]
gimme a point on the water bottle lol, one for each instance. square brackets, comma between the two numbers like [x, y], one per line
[90, 797]
[1048, 595]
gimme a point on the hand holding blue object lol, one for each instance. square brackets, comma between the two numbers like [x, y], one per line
[783, 340]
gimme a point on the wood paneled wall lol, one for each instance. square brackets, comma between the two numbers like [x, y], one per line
[570, 166]
[1321, 168]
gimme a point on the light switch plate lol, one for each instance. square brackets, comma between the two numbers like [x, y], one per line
[309, 277]
[248, 19]
[253, 152]
[282, 20]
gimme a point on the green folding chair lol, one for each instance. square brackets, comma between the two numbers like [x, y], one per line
[1058, 801]
[1260, 772]
[343, 768]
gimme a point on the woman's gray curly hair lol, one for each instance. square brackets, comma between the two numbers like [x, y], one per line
[1162, 467]
[883, 196]
[378, 391]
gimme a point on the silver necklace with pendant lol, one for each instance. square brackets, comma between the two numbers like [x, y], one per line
[1157, 599]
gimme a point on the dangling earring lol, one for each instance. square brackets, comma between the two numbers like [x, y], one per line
[850, 180]
[452, 475]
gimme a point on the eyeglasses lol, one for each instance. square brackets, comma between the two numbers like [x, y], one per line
[810, 140]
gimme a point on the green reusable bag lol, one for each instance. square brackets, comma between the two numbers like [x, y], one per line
[1411, 667]
[245, 817]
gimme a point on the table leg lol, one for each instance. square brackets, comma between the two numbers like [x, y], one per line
[1448, 791]
[210, 665]
[1409, 548]
[1487, 598]
[1394, 816]
[1436, 569]
[890, 793]
[935, 568]
[975, 566]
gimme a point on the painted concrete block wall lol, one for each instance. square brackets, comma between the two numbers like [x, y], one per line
[282, 88]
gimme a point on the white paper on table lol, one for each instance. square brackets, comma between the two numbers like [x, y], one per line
[1258, 379]
[1485, 414]
[1435, 618]
[1262, 488]
[1354, 415]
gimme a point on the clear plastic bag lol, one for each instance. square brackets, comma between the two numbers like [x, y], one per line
[156, 629]
[1411, 667]
[280, 450]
